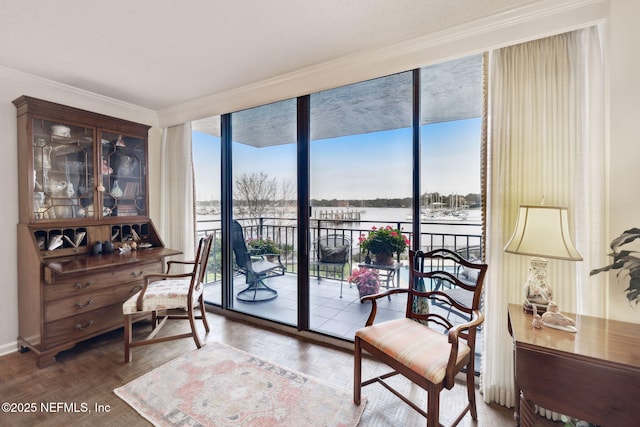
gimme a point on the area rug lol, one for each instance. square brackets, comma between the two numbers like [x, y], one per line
[221, 386]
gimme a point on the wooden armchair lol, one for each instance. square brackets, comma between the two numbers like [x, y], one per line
[172, 296]
[424, 346]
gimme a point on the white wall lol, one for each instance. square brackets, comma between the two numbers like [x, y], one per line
[13, 85]
[624, 135]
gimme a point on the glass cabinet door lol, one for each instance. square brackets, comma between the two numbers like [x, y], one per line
[62, 170]
[122, 170]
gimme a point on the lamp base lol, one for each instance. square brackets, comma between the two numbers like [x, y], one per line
[533, 308]
[537, 290]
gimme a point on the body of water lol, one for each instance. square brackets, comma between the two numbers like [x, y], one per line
[379, 217]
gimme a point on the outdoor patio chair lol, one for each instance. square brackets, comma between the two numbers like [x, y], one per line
[424, 346]
[255, 268]
[169, 296]
[331, 253]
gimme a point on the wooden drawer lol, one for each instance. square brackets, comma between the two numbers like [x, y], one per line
[82, 326]
[88, 301]
[81, 285]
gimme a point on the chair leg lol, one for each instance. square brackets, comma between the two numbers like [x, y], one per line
[433, 407]
[203, 313]
[357, 371]
[471, 389]
[127, 338]
[192, 323]
[258, 285]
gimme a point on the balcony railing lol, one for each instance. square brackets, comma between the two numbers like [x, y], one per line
[283, 231]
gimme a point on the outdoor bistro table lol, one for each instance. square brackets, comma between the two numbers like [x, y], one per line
[386, 272]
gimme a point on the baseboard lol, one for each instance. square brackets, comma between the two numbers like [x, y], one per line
[8, 348]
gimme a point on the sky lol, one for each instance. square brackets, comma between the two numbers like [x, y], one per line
[365, 166]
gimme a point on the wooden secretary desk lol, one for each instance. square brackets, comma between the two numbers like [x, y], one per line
[592, 375]
[82, 180]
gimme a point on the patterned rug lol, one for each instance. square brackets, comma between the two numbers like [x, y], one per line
[219, 385]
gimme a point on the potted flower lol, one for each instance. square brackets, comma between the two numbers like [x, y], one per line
[383, 243]
[626, 262]
[260, 246]
[366, 280]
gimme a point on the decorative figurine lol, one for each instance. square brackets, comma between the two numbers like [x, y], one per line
[116, 191]
[106, 169]
[554, 319]
[97, 248]
[107, 247]
[537, 321]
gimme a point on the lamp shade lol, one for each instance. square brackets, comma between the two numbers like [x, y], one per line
[543, 231]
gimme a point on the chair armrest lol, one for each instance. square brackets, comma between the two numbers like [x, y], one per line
[147, 277]
[251, 252]
[454, 337]
[262, 256]
[475, 321]
[170, 263]
[272, 255]
[180, 262]
[374, 302]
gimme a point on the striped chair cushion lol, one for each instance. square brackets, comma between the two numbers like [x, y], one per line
[416, 346]
[162, 295]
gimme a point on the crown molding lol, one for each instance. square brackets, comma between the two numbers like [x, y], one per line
[535, 20]
[40, 87]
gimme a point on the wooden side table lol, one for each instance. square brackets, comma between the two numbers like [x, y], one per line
[592, 375]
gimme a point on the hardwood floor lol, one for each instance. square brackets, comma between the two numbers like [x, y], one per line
[88, 373]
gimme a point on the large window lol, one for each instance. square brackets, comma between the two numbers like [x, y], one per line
[359, 168]
[264, 204]
[360, 177]
[451, 142]
[205, 142]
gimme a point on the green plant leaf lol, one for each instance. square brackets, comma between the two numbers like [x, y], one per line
[633, 291]
[614, 266]
[626, 237]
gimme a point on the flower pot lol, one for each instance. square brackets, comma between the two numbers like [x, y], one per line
[384, 259]
[365, 290]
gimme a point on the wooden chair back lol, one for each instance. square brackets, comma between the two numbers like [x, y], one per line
[431, 275]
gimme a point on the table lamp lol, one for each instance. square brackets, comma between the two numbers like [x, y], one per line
[541, 232]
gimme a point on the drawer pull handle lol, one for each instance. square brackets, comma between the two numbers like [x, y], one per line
[83, 285]
[81, 327]
[133, 273]
[80, 305]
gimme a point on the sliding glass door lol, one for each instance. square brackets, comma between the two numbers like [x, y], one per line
[264, 170]
[360, 178]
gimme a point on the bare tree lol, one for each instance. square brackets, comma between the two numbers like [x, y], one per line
[286, 196]
[255, 194]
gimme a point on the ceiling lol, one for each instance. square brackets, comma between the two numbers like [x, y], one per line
[159, 54]
[449, 91]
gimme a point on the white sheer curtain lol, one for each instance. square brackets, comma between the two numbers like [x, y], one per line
[177, 213]
[545, 141]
